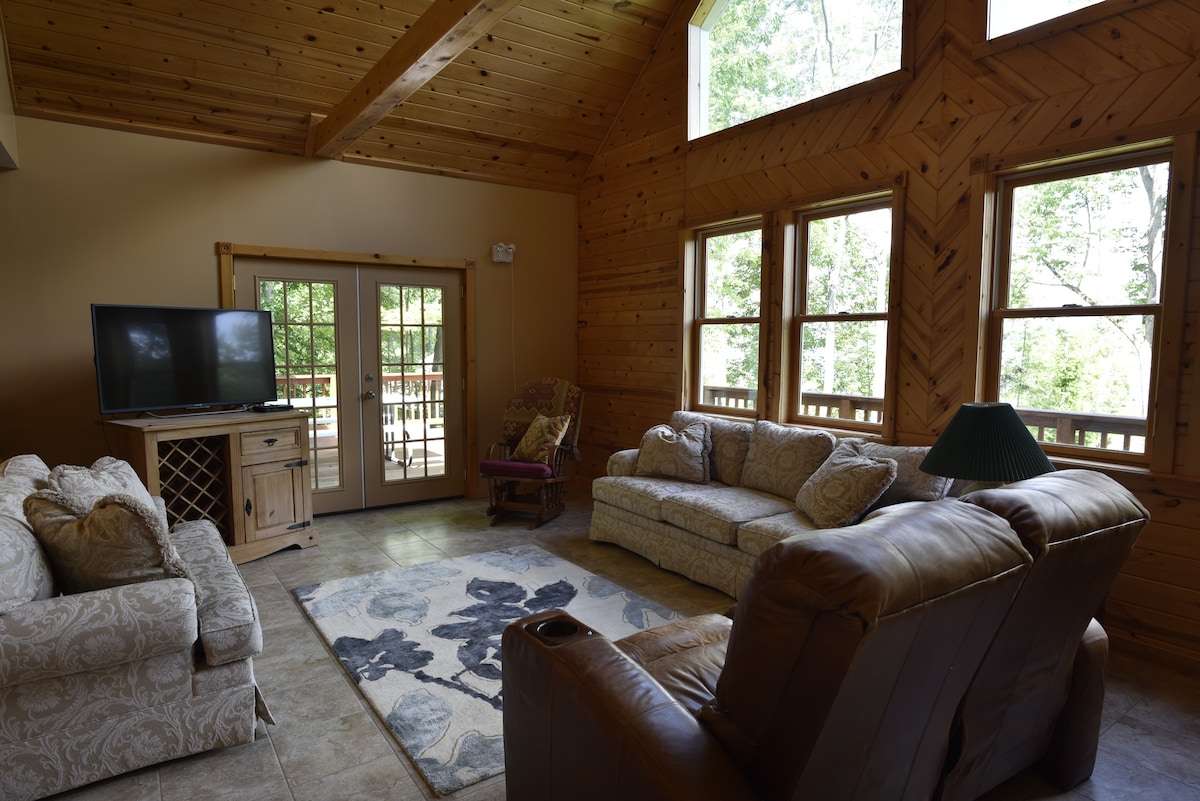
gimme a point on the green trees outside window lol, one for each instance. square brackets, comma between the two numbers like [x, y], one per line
[1078, 298]
[844, 270]
[730, 292]
[756, 57]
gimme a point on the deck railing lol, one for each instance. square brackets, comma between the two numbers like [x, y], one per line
[731, 397]
[1105, 431]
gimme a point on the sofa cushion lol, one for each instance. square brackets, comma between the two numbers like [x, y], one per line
[24, 572]
[843, 488]
[756, 536]
[100, 528]
[782, 458]
[730, 443]
[716, 514]
[682, 454]
[912, 483]
[642, 495]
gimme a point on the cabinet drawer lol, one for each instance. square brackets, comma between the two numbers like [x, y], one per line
[278, 443]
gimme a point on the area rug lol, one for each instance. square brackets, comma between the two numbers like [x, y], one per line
[423, 645]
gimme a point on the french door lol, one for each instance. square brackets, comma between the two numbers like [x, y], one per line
[376, 356]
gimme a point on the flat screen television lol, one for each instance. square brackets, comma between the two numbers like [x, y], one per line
[151, 358]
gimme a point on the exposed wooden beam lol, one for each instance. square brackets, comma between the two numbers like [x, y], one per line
[446, 29]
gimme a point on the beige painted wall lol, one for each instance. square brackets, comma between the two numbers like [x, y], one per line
[103, 216]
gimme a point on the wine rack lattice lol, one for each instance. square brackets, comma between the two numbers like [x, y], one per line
[194, 477]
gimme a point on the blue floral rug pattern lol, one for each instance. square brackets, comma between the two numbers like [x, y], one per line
[423, 645]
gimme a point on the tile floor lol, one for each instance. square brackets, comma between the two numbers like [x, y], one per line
[327, 744]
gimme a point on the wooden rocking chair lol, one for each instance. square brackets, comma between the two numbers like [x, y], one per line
[524, 470]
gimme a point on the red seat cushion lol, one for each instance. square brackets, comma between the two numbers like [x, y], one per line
[505, 469]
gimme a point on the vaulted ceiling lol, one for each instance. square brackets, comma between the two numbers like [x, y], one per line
[520, 92]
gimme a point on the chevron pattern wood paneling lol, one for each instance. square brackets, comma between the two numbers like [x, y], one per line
[1126, 73]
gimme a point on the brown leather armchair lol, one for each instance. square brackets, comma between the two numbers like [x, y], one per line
[838, 676]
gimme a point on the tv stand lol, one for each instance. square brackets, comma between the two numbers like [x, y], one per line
[245, 471]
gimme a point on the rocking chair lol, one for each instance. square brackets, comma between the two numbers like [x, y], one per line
[524, 470]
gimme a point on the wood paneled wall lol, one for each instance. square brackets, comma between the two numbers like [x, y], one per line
[1130, 73]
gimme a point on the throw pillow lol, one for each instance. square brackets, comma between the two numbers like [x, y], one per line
[107, 476]
[541, 438]
[95, 539]
[668, 453]
[842, 489]
[24, 572]
[730, 443]
[781, 458]
[912, 483]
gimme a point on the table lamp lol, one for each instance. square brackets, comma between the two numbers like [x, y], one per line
[988, 445]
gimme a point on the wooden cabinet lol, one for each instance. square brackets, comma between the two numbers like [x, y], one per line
[247, 472]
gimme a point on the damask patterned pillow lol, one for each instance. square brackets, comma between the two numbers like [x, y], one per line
[99, 528]
[541, 438]
[781, 458]
[730, 443]
[24, 572]
[843, 489]
[912, 483]
[683, 455]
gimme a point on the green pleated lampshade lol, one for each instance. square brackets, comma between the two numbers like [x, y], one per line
[986, 442]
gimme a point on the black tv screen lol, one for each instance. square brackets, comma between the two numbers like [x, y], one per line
[153, 357]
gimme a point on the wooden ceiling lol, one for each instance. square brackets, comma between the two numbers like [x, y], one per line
[519, 92]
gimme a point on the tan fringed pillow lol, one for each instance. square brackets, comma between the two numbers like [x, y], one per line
[541, 438]
[99, 528]
[683, 455]
[843, 488]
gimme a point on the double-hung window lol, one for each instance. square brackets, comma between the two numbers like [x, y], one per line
[1077, 299]
[728, 317]
[843, 284]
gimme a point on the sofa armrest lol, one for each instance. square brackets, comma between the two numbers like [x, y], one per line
[228, 619]
[623, 463]
[583, 721]
[1072, 752]
[92, 630]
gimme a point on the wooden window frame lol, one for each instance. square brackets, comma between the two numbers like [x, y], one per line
[1168, 314]
[694, 395]
[983, 46]
[797, 316]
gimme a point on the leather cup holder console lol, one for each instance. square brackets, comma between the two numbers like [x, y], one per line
[557, 630]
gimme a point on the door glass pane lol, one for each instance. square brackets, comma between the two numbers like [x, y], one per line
[412, 384]
[842, 366]
[1048, 372]
[303, 315]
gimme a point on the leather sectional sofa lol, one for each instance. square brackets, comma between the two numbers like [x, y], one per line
[933, 650]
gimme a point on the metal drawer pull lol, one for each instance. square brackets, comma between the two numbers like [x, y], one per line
[271, 441]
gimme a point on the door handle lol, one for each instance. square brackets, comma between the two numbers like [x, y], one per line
[368, 395]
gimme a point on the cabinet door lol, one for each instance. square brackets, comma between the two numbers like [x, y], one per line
[275, 499]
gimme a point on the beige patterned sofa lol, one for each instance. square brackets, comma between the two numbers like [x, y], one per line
[122, 644]
[704, 496]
